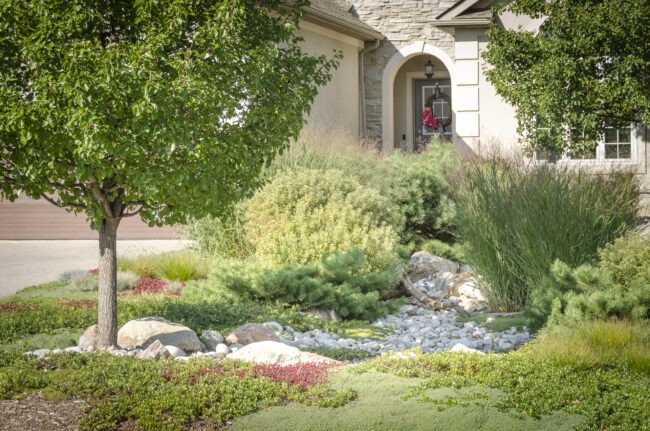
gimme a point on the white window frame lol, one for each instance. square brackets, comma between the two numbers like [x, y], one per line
[600, 153]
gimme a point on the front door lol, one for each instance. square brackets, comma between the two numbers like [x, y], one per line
[437, 96]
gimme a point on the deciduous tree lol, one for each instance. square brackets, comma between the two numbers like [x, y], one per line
[585, 68]
[149, 108]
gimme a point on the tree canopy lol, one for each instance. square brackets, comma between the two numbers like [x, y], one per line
[587, 67]
[155, 108]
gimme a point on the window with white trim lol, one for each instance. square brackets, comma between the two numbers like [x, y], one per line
[616, 144]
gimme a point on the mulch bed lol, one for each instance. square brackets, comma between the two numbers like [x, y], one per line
[35, 413]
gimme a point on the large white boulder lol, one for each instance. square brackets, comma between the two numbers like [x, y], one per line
[142, 332]
[267, 352]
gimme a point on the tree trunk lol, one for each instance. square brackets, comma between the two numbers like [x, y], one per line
[107, 295]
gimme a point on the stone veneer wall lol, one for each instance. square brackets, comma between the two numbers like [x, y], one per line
[402, 23]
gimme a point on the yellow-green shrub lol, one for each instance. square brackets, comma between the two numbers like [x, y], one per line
[627, 261]
[302, 215]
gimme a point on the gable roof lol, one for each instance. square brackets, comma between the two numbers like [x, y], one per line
[337, 15]
[467, 13]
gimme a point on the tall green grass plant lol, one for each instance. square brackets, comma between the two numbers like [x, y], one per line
[174, 266]
[515, 220]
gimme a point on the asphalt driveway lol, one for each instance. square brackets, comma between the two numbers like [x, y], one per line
[26, 263]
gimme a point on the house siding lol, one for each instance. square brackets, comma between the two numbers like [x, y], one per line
[29, 219]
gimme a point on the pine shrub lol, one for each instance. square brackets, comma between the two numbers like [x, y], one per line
[572, 296]
[339, 282]
[301, 216]
[417, 185]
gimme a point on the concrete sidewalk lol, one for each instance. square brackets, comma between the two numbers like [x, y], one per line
[26, 263]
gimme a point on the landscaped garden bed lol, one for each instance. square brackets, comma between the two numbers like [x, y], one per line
[588, 366]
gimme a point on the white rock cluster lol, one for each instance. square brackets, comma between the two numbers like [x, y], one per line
[411, 327]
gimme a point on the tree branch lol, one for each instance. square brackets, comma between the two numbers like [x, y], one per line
[133, 213]
[101, 199]
[61, 204]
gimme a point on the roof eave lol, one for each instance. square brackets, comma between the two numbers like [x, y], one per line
[463, 22]
[324, 19]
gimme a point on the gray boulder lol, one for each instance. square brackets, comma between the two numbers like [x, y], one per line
[175, 351]
[423, 264]
[142, 332]
[211, 339]
[275, 327]
[156, 350]
[251, 333]
[88, 340]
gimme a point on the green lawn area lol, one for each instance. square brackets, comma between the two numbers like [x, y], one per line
[387, 402]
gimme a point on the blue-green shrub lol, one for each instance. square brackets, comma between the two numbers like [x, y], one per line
[339, 282]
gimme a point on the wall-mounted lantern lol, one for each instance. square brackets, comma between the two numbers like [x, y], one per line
[428, 69]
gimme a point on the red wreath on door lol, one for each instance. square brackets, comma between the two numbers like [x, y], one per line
[428, 119]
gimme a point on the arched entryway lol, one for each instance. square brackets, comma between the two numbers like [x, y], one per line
[405, 92]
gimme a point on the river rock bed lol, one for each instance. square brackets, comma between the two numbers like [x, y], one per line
[412, 327]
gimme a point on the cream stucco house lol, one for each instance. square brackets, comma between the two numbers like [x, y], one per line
[379, 91]
[381, 88]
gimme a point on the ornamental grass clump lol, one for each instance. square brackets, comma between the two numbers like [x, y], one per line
[515, 220]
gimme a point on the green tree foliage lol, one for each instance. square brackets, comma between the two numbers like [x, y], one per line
[152, 108]
[588, 65]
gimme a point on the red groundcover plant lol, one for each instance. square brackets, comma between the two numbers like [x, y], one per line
[303, 375]
[149, 285]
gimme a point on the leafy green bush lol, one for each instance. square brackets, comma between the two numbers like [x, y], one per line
[417, 184]
[301, 216]
[338, 282]
[514, 221]
[627, 261]
[223, 236]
